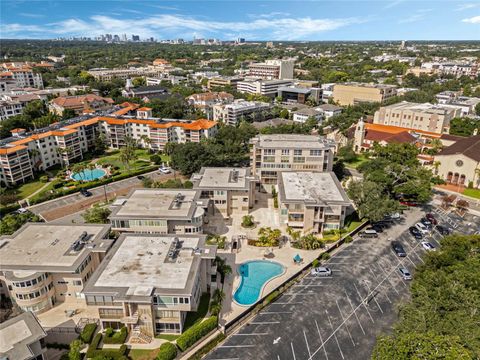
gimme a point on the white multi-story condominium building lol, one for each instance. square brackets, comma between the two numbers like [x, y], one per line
[22, 338]
[124, 74]
[454, 99]
[426, 117]
[232, 114]
[206, 101]
[302, 115]
[9, 108]
[149, 282]
[164, 211]
[23, 77]
[356, 93]
[327, 91]
[273, 69]
[455, 68]
[311, 201]
[262, 87]
[24, 153]
[329, 110]
[225, 190]
[273, 154]
[44, 265]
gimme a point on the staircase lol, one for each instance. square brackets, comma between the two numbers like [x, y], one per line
[137, 337]
[132, 319]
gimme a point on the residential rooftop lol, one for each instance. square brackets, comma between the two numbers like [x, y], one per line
[170, 204]
[139, 265]
[222, 178]
[17, 334]
[311, 188]
[48, 247]
[296, 141]
[420, 107]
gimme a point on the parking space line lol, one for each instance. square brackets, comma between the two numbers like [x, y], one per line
[346, 326]
[252, 334]
[321, 340]
[351, 305]
[275, 312]
[236, 346]
[334, 335]
[264, 322]
[388, 279]
[363, 301]
[293, 352]
[306, 341]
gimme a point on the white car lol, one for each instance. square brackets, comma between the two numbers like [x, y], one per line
[428, 246]
[321, 271]
[405, 273]
[165, 170]
[22, 211]
[422, 228]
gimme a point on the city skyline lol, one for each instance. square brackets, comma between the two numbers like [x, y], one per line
[253, 20]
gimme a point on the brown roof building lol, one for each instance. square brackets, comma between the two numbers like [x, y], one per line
[79, 103]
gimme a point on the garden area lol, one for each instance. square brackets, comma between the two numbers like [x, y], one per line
[474, 193]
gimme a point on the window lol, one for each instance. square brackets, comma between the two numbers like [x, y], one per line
[285, 151]
[268, 151]
[77, 282]
[315, 152]
[297, 152]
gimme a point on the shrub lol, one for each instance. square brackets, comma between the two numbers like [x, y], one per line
[188, 184]
[87, 333]
[348, 239]
[115, 337]
[44, 178]
[156, 159]
[247, 221]
[196, 332]
[113, 354]
[325, 256]
[57, 184]
[208, 347]
[271, 297]
[315, 263]
[93, 345]
[167, 351]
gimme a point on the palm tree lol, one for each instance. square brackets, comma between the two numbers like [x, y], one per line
[436, 165]
[33, 153]
[218, 296]
[223, 269]
[477, 174]
[215, 308]
[146, 140]
[79, 169]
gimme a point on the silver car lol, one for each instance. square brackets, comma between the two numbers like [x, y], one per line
[321, 271]
[405, 273]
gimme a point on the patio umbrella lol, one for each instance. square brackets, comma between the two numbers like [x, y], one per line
[297, 258]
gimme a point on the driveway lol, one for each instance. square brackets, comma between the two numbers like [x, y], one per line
[338, 317]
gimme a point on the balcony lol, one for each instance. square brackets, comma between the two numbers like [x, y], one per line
[132, 319]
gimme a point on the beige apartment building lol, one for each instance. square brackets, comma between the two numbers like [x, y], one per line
[355, 93]
[225, 190]
[222, 81]
[149, 282]
[22, 338]
[312, 201]
[273, 154]
[163, 211]
[45, 264]
[425, 117]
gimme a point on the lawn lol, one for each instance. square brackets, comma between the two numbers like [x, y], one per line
[140, 354]
[29, 188]
[114, 160]
[195, 317]
[475, 193]
[169, 337]
[352, 222]
[357, 162]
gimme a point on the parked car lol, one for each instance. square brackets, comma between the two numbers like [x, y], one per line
[398, 248]
[369, 233]
[415, 232]
[140, 177]
[409, 203]
[428, 246]
[426, 222]
[394, 216]
[21, 211]
[422, 228]
[442, 230]
[405, 273]
[165, 170]
[431, 218]
[321, 271]
[376, 227]
[85, 192]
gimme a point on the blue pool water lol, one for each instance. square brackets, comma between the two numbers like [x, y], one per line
[88, 175]
[254, 275]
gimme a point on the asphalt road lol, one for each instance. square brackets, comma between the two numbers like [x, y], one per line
[337, 317]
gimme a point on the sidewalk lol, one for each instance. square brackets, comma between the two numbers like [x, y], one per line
[474, 204]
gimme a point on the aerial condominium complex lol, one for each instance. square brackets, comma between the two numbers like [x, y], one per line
[312, 202]
[272, 154]
[45, 264]
[273, 69]
[233, 113]
[225, 190]
[22, 338]
[426, 117]
[164, 211]
[149, 282]
[356, 93]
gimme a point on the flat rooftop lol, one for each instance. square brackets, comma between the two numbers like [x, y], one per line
[48, 247]
[141, 264]
[17, 334]
[173, 204]
[311, 188]
[296, 141]
[420, 107]
[223, 178]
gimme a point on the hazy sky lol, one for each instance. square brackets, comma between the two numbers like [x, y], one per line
[253, 20]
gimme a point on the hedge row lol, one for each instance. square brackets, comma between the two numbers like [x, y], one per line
[115, 337]
[88, 185]
[208, 347]
[87, 333]
[114, 354]
[167, 351]
[196, 332]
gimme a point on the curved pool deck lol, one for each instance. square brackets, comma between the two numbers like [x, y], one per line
[255, 275]
[88, 175]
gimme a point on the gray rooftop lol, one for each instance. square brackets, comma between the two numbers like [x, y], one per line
[17, 334]
[140, 265]
[295, 141]
[293, 89]
[420, 107]
[47, 247]
[311, 188]
[170, 204]
[329, 107]
[222, 178]
[307, 112]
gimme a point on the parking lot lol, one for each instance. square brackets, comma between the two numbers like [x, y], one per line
[339, 317]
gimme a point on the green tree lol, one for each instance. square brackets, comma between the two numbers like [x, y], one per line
[68, 114]
[100, 144]
[268, 236]
[97, 215]
[12, 222]
[75, 347]
[139, 81]
[477, 109]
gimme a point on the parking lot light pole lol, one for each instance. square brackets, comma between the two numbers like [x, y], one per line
[105, 192]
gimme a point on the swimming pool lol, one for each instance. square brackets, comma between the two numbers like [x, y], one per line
[255, 274]
[88, 175]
